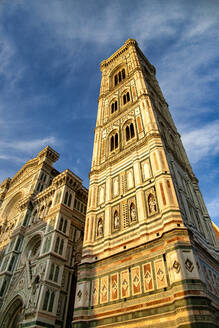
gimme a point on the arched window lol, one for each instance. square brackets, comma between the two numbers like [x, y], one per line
[11, 263]
[56, 274]
[132, 130]
[66, 198]
[57, 244]
[65, 226]
[46, 300]
[61, 224]
[129, 131]
[123, 73]
[126, 98]
[119, 77]
[3, 288]
[61, 247]
[52, 297]
[18, 244]
[51, 271]
[69, 200]
[114, 141]
[114, 107]
[116, 79]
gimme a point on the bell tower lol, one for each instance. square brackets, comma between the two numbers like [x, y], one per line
[150, 253]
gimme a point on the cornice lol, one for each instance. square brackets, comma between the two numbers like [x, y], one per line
[119, 52]
[69, 178]
[30, 163]
[122, 154]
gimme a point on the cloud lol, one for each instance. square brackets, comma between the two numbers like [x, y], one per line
[202, 142]
[15, 150]
[213, 208]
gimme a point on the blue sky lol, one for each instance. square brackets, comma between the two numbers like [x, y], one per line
[50, 51]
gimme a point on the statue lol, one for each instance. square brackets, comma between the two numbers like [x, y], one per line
[116, 220]
[152, 204]
[100, 227]
[132, 212]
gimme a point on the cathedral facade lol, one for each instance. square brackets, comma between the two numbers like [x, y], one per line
[42, 213]
[150, 253]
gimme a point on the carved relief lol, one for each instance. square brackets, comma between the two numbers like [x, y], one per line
[115, 186]
[101, 194]
[146, 170]
[130, 180]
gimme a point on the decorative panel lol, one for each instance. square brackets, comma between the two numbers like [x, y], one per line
[114, 287]
[115, 187]
[160, 274]
[146, 170]
[130, 179]
[104, 288]
[136, 280]
[124, 281]
[148, 277]
[95, 292]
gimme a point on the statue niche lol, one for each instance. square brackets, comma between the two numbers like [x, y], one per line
[100, 227]
[116, 220]
[132, 212]
[152, 204]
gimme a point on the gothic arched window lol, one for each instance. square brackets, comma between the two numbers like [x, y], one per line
[51, 271]
[52, 297]
[119, 77]
[126, 98]
[46, 300]
[65, 226]
[61, 247]
[129, 131]
[57, 244]
[69, 200]
[66, 198]
[114, 106]
[56, 274]
[61, 224]
[114, 141]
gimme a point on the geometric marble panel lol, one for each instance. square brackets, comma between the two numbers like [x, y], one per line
[136, 280]
[160, 274]
[124, 281]
[148, 277]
